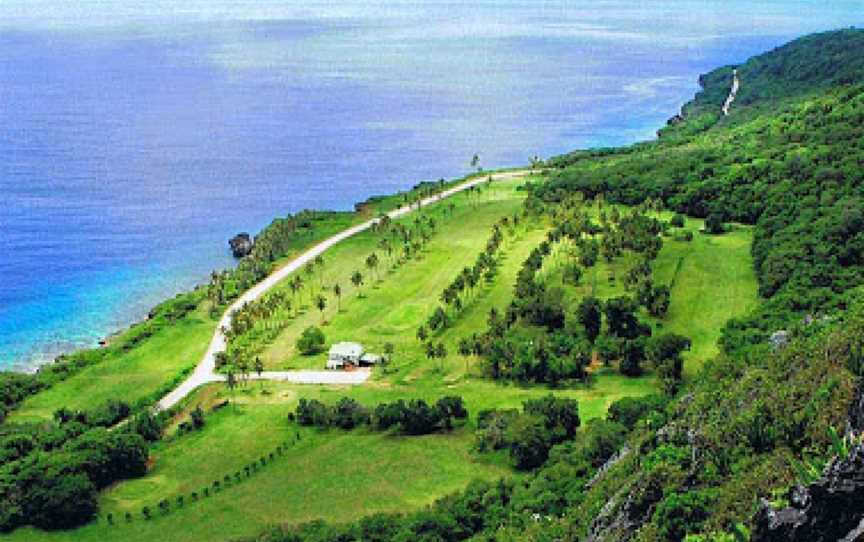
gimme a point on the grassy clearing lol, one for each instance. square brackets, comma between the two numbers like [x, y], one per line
[340, 476]
[128, 376]
[332, 475]
[711, 279]
[392, 308]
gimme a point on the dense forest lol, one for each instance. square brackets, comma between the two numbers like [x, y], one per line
[776, 418]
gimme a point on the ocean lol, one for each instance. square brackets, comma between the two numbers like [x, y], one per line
[137, 137]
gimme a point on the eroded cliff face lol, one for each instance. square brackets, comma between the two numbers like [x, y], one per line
[828, 510]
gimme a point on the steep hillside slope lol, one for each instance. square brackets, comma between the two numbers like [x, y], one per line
[783, 399]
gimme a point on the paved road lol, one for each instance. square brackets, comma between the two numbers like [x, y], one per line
[205, 371]
[736, 84]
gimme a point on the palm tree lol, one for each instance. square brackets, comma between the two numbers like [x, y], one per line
[372, 263]
[388, 351]
[431, 352]
[294, 285]
[243, 367]
[357, 281]
[259, 368]
[321, 303]
[441, 353]
[319, 263]
[465, 349]
[337, 291]
[310, 271]
[231, 381]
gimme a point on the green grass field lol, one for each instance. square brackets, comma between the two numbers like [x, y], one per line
[375, 472]
[128, 376]
[340, 476]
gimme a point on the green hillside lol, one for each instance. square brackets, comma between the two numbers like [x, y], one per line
[787, 160]
[635, 344]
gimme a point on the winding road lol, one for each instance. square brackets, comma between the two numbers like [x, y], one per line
[736, 83]
[205, 371]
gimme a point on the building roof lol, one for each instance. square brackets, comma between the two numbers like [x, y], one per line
[346, 349]
[370, 358]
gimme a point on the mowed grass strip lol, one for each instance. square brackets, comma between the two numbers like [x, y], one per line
[129, 376]
[332, 475]
[394, 302]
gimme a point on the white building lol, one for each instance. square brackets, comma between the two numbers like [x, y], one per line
[349, 354]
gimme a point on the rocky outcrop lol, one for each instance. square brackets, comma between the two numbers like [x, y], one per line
[241, 245]
[828, 510]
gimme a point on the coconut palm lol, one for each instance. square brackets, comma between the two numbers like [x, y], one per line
[357, 281]
[337, 291]
[321, 303]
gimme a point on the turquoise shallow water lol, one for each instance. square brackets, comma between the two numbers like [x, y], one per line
[135, 138]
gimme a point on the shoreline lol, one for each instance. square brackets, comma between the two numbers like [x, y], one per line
[104, 339]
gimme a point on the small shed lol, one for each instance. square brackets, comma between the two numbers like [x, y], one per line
[344, 353]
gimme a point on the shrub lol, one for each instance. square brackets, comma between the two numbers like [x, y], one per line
[529, 442]
[629, 410]
[348, 414]
[311, 341]
[714, 223]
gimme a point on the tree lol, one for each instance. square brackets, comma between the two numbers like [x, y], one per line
[449, 408]
[372, 263]
[388, 352]
[677, 220]
[621, 318]
[357, 281]
[197, 417]
[441, 353]
[321, 303]
[337, 291]
[64, 500]
[664, 352]
[422, 334]
[466, 349]
[311, 341]
[259, 366]
[231, 381]
[590, 316]
[714, 223]
[632, 355]
[243, 367]
[319, 264]
[530, 442]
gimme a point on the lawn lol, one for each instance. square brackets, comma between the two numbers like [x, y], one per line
[711, 280]
[339, 476]
[396, 301]
[332, 475]
[129, 376]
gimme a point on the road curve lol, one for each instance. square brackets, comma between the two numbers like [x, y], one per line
[205, 371]
[733, 92]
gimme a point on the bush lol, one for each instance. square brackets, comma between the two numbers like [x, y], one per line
[348, 414]
[311, 341]
[677, 220]
[714, 223]
[419, 418]
[529, 442]
[629, 410]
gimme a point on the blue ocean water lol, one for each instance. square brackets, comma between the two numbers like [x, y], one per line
[135, 138]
